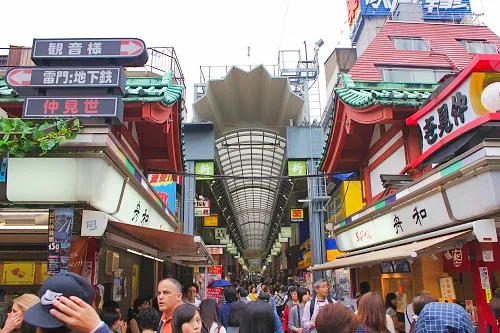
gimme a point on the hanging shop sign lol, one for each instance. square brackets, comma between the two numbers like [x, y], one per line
[211, 221]
[202, 208]
[465, 104]
[296, 215]
[59, 242]
[297, 168]
[204, 170]
[286, 232]
[459, 261]
[121, 51]
[216, 250]
[220, 233]
[447, 288]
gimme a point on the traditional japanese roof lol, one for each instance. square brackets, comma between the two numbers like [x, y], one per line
[444, 39]
[360, 95]
[138, 89]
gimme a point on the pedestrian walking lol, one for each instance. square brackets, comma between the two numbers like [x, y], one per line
[336, 318]
[225, 309]
[235, 317]
[438, 317]
[292, 300]
[391, 301]
[371, 314]
[258, 317]
[297, 312]
[209, 312]
[15, 318]
[186, 319]
[419, 302]
[148, 319]
[169, 298]
[311, 309]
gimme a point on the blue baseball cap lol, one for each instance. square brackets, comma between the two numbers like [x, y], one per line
[62, 284]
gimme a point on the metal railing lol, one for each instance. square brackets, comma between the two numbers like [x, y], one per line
[161, 60]
[219, 72]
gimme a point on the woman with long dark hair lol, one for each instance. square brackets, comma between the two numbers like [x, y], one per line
[292, 299]
[209, 313]
[371, 314]
[297, 312]
[258, 317]
[235, 317]
[186, 319]
[391, 302]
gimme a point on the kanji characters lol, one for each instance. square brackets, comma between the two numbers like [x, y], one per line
[445, 125]
[94, 48]
[137, 211]
[49, 77]
[93, 76]
[55, 49]
[71, 106]
[50, 106]
[106, 76]
[62, 75]
[80, 77]
[145, 217]
[458, 107]
[75, 48]
[419, 215]
[398, 224]
[90, 105]
[430, 130]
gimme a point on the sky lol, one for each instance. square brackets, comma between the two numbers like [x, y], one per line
[203, 33]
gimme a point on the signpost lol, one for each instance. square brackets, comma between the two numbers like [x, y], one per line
[79, 90]
[30, 78]
[98, 51]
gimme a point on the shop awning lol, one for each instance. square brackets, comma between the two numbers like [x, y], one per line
[183, 249]
[406, 251]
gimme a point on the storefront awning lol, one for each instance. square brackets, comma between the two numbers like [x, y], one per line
[406, 251]
[183, 249]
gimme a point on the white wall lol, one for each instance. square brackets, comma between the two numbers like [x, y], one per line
[392, 165]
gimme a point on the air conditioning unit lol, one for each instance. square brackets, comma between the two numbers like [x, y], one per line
[112, 262]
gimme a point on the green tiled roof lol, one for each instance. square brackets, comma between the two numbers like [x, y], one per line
[362, 94]
[138, 89]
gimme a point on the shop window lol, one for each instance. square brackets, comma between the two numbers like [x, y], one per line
[477, 46]
[411, 44]
[413, 75]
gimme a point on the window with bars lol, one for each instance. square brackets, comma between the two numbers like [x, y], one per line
[411, 44]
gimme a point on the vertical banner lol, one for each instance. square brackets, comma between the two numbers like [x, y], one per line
[214, 273]
[60, 228]
[91, 264]
[201, 281]
[78, 251]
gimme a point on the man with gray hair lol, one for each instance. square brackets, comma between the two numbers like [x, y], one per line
[311, 309]
[169, 297]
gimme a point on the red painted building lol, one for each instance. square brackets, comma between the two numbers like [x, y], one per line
[426, 206]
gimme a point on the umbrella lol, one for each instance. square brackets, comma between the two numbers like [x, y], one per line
[219, 284]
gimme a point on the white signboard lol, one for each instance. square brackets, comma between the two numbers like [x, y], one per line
[220, 233]
[202, 208]
[286, 232]
[464, 105]
[415, 218]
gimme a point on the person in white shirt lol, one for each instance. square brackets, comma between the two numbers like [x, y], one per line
[192, 295]
[312, 307]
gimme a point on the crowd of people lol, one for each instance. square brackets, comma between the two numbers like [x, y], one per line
[67, 304]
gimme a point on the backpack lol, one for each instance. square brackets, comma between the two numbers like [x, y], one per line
[313, 301]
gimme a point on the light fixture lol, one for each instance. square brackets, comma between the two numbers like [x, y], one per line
[304, 200]
[433, 257]
[319, 43]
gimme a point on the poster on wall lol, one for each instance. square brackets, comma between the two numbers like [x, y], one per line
[59, 242]
[214, 273]
[447, 288]
[18, 273]
[200, 281]
[165, 186]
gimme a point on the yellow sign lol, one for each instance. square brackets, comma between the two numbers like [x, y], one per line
[211, 221]
[44, 272]
[296, 215]
[18, 273]
[488, 295]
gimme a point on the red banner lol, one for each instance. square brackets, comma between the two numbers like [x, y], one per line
[459, 261]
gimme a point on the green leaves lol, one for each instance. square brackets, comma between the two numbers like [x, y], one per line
[20, 138]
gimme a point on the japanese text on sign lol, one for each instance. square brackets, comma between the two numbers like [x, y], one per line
[71, 107]
[140, 216]
[87, 48]
[296, 215]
